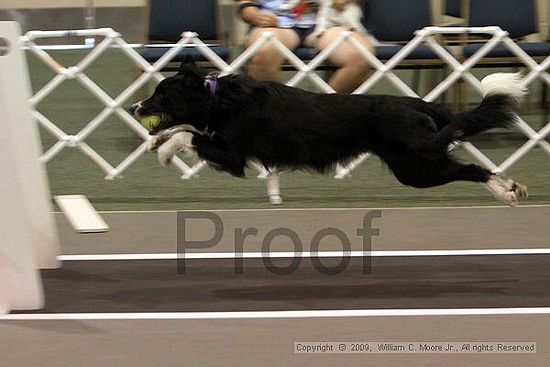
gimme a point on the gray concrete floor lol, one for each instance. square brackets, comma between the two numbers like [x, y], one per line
[263, 342]
[400, 229]
[396, 283]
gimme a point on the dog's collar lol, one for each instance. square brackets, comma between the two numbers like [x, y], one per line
[211, 82]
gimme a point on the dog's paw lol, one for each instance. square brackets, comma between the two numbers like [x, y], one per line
[506, 190]
[513, 186]
[180, 142]
[520, 190]
[155, 142]
[275, 200]
[509, 198]
[184, 142]
[165, 155]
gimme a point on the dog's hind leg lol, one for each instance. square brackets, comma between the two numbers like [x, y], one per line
[503, 189]
[420, 172]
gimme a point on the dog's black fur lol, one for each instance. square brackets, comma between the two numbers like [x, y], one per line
[289, 128]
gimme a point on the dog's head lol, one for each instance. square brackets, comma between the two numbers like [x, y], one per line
[179, 99]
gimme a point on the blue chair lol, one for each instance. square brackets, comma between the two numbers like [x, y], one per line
[396, 21]
[169, 18]
[454, 8]
[517, 17]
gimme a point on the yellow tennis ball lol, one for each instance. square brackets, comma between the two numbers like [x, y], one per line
[150, 122]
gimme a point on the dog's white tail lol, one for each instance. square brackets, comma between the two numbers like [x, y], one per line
[501, 94]
[503, 83]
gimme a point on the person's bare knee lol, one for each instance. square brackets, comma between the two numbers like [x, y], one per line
[352, 65]
[347, 54]
[265, 64]
[267, 54]
[350, 57]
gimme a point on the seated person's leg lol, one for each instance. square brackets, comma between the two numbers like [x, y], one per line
[266, 63]
[352, 66]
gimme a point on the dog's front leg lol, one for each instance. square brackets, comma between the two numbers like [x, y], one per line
[178, 142]
[156, 141]
[220, 155]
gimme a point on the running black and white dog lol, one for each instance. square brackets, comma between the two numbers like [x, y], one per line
[232, 120]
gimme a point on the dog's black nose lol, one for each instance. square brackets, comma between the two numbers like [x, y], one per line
[132, 109]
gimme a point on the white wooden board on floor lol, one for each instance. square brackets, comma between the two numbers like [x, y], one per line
[81, 214]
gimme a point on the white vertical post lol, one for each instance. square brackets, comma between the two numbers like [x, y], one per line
[28, 237]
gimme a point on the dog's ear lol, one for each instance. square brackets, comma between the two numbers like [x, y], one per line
[188, 64]
[190, 74]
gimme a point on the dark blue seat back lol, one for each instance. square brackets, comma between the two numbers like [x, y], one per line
[454, 8]
[518, 17]
[396, 20]
[168, 18]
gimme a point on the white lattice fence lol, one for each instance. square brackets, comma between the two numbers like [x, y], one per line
[110, 38]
